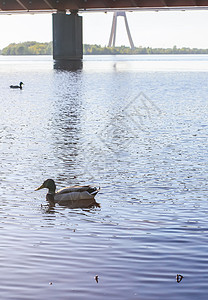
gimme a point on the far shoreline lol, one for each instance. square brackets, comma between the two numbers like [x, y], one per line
[149, 54]
[36, 48]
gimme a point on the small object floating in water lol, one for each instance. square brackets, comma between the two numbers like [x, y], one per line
[17, 86]
[96, 278]
[179, 278]
[50, 283]
[73, 196]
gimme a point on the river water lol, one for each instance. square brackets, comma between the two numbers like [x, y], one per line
[137, 126]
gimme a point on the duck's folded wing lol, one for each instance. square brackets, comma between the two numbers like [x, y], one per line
[73, 196]
[79, 189]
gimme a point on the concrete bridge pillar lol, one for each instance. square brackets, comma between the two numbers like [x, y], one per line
[67, 36]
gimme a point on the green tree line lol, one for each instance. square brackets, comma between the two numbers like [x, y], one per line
[35, 48]
[97, 49]
[28, 48]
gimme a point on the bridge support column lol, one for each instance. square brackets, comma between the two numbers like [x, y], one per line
[67, 36]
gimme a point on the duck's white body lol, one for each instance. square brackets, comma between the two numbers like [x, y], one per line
[75, 196]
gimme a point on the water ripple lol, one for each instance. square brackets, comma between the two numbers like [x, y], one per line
[141, 135]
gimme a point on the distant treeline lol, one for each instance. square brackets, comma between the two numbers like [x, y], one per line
[28, 48]
[35, 48]
[97, 49]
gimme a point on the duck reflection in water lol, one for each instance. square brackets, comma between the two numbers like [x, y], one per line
[72, 197]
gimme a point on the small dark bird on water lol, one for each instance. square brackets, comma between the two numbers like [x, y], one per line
[17, 86]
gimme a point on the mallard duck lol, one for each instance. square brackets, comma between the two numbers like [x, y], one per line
[17, 86]
[73, 196]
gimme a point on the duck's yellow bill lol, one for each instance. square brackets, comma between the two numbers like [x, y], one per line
[39, 188]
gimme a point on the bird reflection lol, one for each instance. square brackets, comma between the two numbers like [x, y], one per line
[51, 209]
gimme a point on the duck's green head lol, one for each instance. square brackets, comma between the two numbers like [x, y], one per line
[48, 184]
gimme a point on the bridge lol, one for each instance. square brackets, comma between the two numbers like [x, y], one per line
[82, 5]
[67, 24]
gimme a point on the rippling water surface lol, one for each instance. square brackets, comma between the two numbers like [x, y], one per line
[137, 126]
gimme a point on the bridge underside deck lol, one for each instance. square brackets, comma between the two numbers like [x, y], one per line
[64, 5]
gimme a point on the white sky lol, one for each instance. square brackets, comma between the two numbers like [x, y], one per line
[148, 28]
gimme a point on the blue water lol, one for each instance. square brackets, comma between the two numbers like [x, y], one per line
[137, 126]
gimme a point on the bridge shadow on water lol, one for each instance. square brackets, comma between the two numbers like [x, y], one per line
[68, 65]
